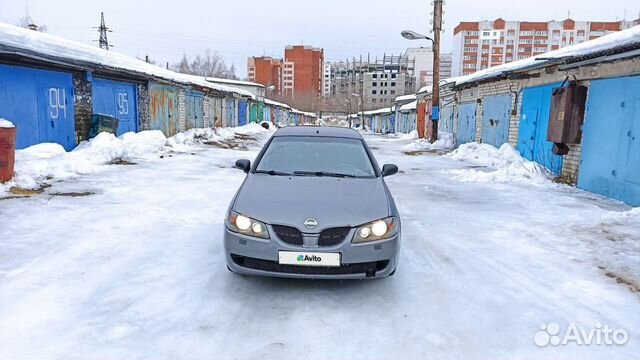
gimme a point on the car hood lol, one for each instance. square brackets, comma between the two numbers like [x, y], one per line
[331, 201]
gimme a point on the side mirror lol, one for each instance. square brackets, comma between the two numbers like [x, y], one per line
[389, 169]
[245, 165]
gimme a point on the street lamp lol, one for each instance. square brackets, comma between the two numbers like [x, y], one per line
[412, 35]
[360, 106]
[435, 45]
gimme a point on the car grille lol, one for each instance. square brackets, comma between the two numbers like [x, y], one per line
[288, 234]
[333, 236]
[369, 268]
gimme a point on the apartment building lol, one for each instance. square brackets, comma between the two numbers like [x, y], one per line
[303, 71]
[267, 71]
[482, 44]
[423, 58]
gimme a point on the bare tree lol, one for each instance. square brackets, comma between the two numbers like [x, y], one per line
[27, 22]
[206, 65]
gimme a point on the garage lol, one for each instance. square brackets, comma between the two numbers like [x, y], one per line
[40, 104]
[466, 131]
[611, 140]
[496, 112]
[534, 123]
[118, 99]
[194, 108]
[164, 108]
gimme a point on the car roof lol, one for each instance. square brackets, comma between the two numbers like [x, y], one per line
[319, 131]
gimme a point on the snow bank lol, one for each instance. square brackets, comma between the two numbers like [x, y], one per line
[445, 141]
[39, 163]
[4, 123]
[503, 165]
[198, 136]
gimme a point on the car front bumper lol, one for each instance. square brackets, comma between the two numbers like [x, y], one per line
[251, 256]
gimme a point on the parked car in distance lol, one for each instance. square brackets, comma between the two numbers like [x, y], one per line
[313, 205]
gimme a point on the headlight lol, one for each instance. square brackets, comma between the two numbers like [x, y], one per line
[246, 225]
[376, 230]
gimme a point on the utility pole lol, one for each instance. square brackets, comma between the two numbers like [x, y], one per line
[435, 97]
[103, 42]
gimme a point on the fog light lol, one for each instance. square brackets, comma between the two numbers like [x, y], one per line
[257, 228]
[379, 228]
[243, 222]
[365, 232]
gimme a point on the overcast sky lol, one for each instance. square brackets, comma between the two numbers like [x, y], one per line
[241, 28]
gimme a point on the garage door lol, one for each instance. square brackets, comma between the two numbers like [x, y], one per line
[466, 131]
[534, 123]
[164, 109]
[611, 140]
[40, 104]
[118, 99]
[194, 109]
[446, 119]
[496, 112]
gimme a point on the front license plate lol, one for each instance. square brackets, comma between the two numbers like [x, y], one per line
[308, 258]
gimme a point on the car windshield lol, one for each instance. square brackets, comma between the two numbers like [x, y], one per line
[316, 156]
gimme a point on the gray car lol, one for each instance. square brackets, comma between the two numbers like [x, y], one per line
[313, 205]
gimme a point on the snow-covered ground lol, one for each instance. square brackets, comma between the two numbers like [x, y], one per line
[132, 265]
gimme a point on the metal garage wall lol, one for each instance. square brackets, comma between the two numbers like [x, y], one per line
[496, 113]
[611, 140]
[466, 131]
[446, 119]
[534, 123]
[230, 112]
[194, 108]
[118, 99]
[242, 112]
[163, 108]
[40, 104]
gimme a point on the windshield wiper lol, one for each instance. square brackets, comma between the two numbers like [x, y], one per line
[273, 172]
[322, 173]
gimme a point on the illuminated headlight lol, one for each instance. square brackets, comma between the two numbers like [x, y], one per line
[246, 225]
[376, 230]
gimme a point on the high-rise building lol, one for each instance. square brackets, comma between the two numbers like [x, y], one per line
[303, 71]
[423, 58]
[375, 82]
[267, 71]
[482, 44]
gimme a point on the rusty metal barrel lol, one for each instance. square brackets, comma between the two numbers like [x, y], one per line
[7, 152]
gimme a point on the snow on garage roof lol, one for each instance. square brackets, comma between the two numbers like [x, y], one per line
[410, 106]
[28, 43]
[406, 97]
[618, 40]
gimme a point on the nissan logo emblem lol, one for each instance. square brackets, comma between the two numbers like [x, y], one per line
[310, 223]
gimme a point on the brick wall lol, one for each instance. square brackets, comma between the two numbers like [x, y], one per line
[82, 102]
[182, 110]
[205, 110]
[144, 117]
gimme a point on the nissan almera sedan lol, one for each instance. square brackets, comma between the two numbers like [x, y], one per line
[313, 205]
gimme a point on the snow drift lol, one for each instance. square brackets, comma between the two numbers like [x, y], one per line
[501, 165]
[445, 141]
[41, 163]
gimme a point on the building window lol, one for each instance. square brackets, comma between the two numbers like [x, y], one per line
[392, 92]
[374, 92]
[374, 83]
[393, 84]
[375, 76]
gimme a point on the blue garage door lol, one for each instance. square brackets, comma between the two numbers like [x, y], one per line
[231, 112]
[242, 112]
[534, 123]
[466, 132]
[611, 140]
[194, 110]
[446, 119]
[40, 104]
[118, 99]
[496, 112]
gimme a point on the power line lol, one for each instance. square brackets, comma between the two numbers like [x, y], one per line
[103, 42]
